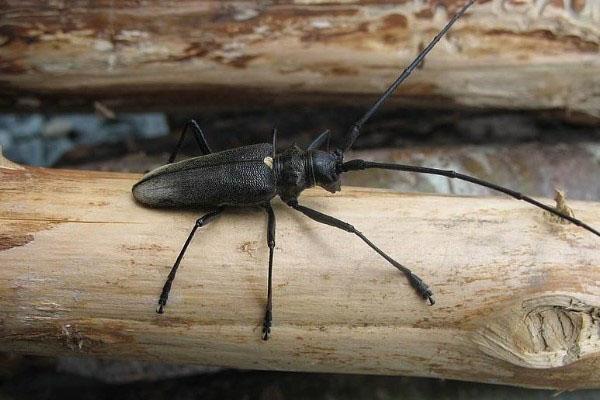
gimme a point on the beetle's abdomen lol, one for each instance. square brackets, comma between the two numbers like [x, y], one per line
[236, 177]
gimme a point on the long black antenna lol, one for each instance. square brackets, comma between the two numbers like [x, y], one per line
[354, 131]
[357, 165]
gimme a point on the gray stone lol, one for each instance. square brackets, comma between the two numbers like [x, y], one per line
[36, 141]
[21, 126]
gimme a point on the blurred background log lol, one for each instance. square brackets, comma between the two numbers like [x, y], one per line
[517, 291]
[534, 54]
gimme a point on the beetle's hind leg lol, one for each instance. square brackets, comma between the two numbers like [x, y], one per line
[198, 135]
[266, 331]
[416, 282]
[200, 222]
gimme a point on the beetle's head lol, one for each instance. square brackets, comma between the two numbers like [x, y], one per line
[326, 169]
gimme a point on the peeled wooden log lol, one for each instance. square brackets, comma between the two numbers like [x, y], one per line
[535, 54]
[517, 292]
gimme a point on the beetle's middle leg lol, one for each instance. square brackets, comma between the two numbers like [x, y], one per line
[200, 222]
[198, 135]
[266, 332]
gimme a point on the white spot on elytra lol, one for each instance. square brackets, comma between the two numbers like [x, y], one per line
[268, 162]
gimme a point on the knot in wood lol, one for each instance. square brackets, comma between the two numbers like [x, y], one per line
[543, 332]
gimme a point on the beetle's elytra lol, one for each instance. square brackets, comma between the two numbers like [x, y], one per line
[234, 177]
[254, 175]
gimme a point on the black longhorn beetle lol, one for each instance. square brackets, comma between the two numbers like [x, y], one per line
[253, 175]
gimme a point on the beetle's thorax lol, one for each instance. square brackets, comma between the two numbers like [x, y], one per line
[297, 169]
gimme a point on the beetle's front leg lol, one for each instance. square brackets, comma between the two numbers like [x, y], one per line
[266, 331]
[416, 282]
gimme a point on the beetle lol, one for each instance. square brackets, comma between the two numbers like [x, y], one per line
[254, 175]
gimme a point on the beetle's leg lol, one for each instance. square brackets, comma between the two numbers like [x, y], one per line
[416, 282]
[198, 135]
[200, 222]
[266, 332]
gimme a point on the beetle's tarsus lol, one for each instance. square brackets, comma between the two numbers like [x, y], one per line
[421, 288]
[160, 309]
[266, 331]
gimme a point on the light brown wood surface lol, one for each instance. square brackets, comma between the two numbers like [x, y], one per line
[533, 54]
[82, 265]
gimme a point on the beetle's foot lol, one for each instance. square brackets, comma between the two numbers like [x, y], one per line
[266, 331]
[161, 306]
[421, 288]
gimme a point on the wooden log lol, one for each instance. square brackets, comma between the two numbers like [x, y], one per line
[533, 54]
[517, 292]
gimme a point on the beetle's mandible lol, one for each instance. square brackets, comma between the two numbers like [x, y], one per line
[254, 175]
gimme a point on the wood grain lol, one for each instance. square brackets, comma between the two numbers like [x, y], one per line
[517, 293]
[515, 54]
